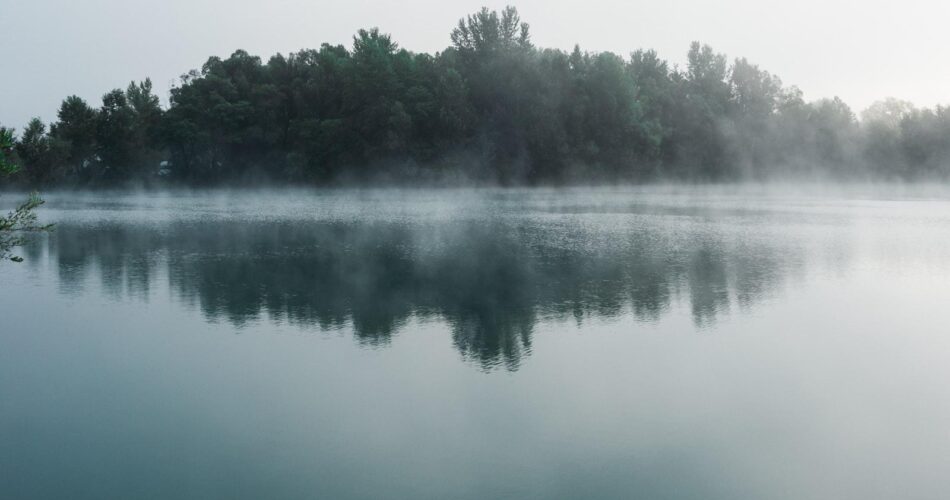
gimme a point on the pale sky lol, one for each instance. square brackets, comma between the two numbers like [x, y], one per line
[859, 50]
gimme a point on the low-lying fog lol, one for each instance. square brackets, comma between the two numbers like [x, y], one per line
[682, 342]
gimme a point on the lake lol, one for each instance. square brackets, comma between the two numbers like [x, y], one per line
[655, 343]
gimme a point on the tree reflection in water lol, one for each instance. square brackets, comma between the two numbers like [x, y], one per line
[491, 282]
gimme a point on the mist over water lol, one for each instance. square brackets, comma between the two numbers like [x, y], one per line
[656, 342]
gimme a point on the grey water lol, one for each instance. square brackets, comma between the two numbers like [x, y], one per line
[655, 343]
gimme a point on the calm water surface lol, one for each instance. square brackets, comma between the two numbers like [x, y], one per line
[674, 344]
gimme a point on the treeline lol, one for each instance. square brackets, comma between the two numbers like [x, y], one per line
[491, 108]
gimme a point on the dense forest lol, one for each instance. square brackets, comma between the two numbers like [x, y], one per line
[490, 108]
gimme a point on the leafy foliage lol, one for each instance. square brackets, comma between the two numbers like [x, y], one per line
[7, 143]
[22, 220]
[15, 226]
[492, 107]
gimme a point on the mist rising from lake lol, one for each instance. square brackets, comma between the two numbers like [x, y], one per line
[526, 343]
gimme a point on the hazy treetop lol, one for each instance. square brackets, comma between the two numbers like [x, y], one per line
[859, 51]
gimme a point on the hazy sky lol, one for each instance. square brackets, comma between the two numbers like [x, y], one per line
[860, 50]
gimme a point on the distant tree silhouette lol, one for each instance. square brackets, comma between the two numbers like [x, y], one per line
[492, 107]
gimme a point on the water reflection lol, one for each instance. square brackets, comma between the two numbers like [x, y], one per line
[493, 282]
